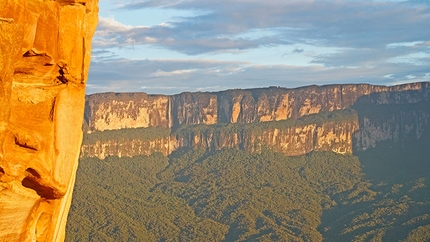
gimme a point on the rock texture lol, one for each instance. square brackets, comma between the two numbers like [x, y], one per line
[110, 111]
[45, 49]
[125, 147]
[133, 110]
[293, 141]
[246, 119]
[404, 127]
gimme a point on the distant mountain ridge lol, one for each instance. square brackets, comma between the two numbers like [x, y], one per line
[111, 111]
[339, 118]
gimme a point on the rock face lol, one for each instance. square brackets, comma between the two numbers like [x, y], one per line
[281, 119]
[110, 111]
[45, 49]
[133, 110]
[296, 140]
[403, 127]
[126, 147]
[293, 141]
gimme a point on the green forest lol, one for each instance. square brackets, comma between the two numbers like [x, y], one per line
[232, 195]
[380, 194]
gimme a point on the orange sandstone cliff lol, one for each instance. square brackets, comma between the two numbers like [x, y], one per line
[45, 49]
[338, 118]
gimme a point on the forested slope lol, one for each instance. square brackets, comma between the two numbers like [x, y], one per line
[233, 195]
[227, 195]
[400, 210]
[360, 173]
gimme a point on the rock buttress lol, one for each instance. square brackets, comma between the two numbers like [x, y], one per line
[45, 49]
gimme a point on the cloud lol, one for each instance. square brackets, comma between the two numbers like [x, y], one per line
[374, 41]
[297, 51]
[111, 33]
[217, 24]
[175, 76]
[103, 55]
[111, 25]
[346, 23]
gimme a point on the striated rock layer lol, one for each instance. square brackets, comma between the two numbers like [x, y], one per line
[296, 140]
[45, 49]
[214, 121]
[112, 111]
[339, 118]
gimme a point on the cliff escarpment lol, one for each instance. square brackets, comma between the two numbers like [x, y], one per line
[45, 52]
[110, 111]
[329, 131]
[400, 125]
[339, 118]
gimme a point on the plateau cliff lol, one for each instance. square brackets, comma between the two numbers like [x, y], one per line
[335, 163]
[339, 118]
[45, 49]
[292, 137]
[110, 111]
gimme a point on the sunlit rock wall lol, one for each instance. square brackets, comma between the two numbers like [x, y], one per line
[132, 110]
[110, 111]
[398, 114]
[292, 141]
[125, 147]
[45, 49]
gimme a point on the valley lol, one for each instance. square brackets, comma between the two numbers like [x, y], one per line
[333, 163]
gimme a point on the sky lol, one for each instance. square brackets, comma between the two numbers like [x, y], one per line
[174, 46]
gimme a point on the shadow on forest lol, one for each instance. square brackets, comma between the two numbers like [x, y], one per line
[392, 168]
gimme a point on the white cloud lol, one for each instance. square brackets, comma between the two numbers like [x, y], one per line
[206, 75]
[110, 24]
[404, 44]
[160, 73]
[221, 27]
[321, 41]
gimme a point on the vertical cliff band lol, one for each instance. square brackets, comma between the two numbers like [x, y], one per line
[338, 118]
[113, 111]
[45, 49]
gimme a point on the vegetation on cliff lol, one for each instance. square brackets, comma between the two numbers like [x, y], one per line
[150, 133]
[333, 129]
[261, 127]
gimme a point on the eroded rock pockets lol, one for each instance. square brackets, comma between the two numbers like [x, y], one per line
[34, 181]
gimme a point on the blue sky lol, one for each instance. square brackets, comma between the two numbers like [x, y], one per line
[173, 46]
